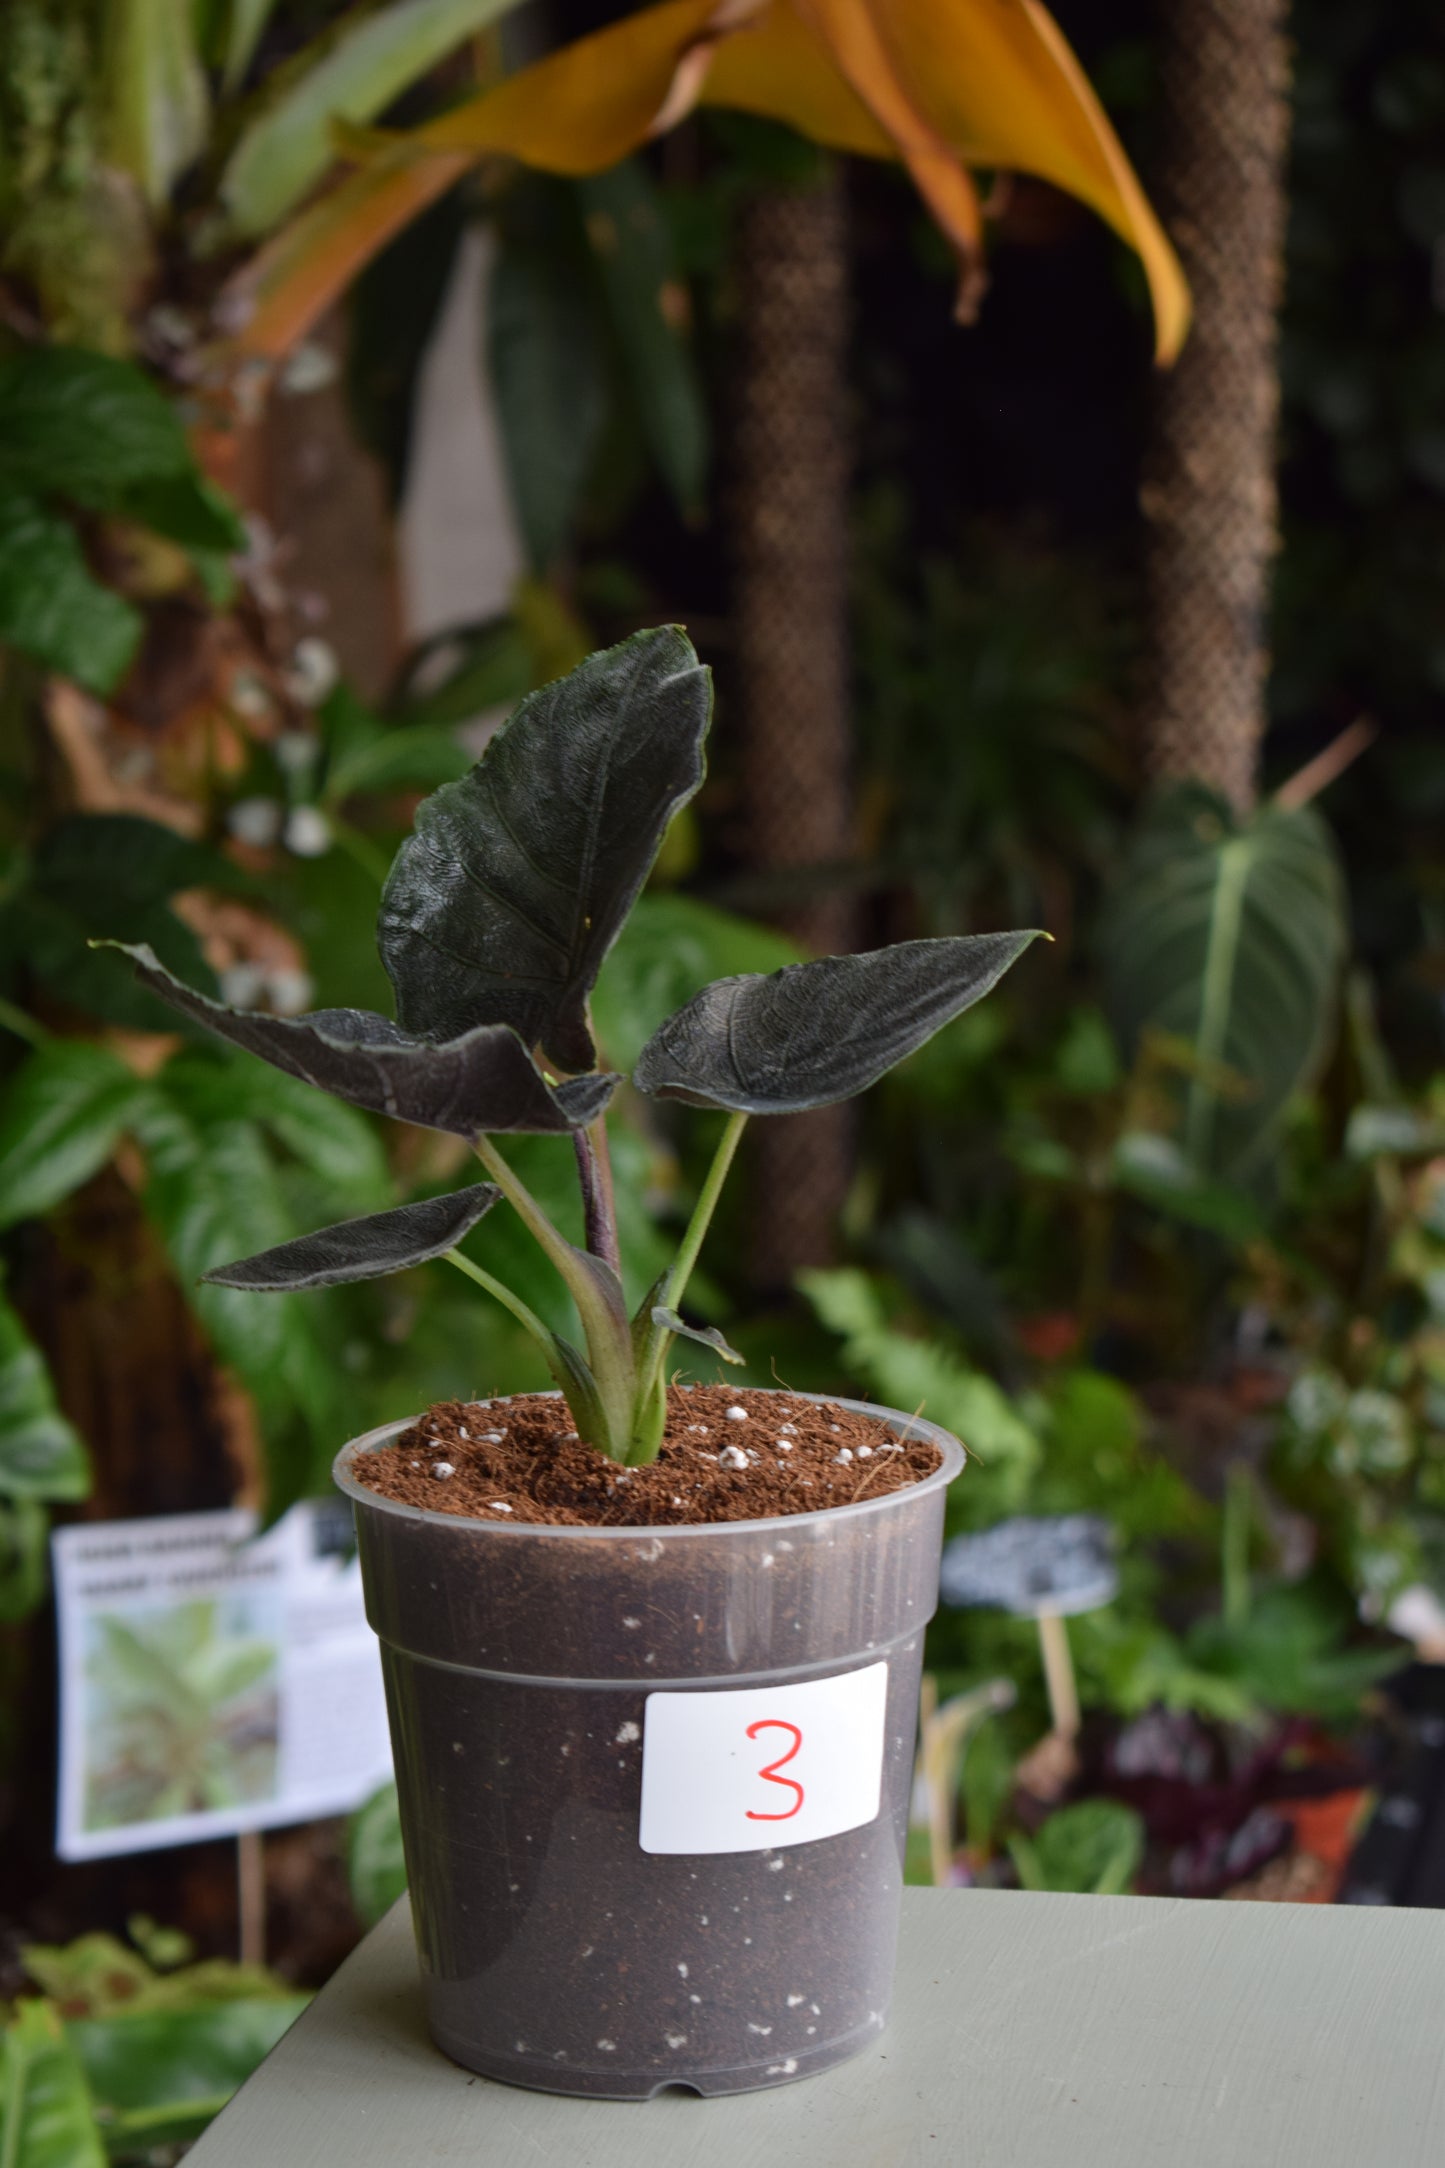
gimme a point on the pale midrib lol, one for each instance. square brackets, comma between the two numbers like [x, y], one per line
[1220, 959]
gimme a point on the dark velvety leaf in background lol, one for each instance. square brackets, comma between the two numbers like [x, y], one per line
[501, 905]
[484, 1080]
[816, 1032]
[365, 1249]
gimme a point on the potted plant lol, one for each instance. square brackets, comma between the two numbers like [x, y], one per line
[652, 1652]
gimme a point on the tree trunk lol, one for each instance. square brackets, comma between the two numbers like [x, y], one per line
[790, 617]
[1209, 493]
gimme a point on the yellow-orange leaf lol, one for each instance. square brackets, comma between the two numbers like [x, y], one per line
[996, 79]
[945, 85]
[291, 284]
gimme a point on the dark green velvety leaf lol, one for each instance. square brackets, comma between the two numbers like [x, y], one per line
[41, 1455]
[51, 607]
[62, 1113]
[671, 947]
[483, 1080]
[708, 1335]
[365, 1249]
[85, 426]
[501, 905]
[813, 1033]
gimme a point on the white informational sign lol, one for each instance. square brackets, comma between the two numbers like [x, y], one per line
[211, 1683]
[751, 1769]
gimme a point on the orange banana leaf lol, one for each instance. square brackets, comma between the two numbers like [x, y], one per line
[944, 85]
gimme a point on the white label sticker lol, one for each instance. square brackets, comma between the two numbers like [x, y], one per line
[751, 1768]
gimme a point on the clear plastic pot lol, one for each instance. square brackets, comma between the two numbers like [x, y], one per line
[556, 1952]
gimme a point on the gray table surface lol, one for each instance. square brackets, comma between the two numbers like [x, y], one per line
[1028, 2031]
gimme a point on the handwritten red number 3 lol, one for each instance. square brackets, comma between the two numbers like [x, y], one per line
[776, 1723]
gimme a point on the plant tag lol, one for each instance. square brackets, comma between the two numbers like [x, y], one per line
[752, 1768]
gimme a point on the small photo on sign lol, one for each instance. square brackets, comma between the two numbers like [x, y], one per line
[182, 1708]
[213, 1678]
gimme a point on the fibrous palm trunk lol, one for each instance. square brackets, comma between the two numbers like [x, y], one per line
[790, 616]
[1210, 488]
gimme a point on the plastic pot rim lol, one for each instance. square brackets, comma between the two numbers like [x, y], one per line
[910, 1426]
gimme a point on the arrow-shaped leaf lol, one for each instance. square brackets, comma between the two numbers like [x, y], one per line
[483, 1081]
[813, 1033]
[364, 1249]
[516, 881]
[707, 1334]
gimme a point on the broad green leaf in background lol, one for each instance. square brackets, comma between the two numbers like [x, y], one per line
[1227, 934]
[336, 1143]
[352, 73]
[47, 2117]
[363, 753]
[41, 1455]
[51, 607]
[62, 1113]
[213, 1191]
[632, 249]
[159, 2076]
[155, 102]
[670, 948]
[1096, 1845]
[548, 371]
[85, 426]
[515, 882]
[1160, 1173]
[463, 672]
[187, 509]
[374, 1861]
[817, 1032]
[927, 1377]
[112, 874]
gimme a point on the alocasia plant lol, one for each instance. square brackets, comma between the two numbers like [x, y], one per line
[494, 922]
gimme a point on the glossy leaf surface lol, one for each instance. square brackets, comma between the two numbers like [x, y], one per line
[516, 881]
[482, 1080]
[364, 1249]
[814, 1033]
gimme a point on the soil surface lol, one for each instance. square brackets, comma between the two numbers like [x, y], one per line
[726, 1456]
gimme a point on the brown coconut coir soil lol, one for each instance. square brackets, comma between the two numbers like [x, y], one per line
[726, 1456]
